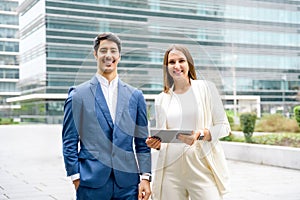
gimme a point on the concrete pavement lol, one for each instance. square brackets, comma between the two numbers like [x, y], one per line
[31, 167]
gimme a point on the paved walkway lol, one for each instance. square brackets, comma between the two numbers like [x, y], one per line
[31, 168]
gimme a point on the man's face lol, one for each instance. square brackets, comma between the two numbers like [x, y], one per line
[108, 57]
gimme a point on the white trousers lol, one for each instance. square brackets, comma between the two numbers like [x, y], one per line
[186, 176]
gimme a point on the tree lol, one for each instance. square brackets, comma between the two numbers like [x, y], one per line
[247, 123]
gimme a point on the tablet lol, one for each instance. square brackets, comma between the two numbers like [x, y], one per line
[169, 136]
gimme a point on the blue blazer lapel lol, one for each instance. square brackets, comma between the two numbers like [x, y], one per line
[123, 100]
[101, 102]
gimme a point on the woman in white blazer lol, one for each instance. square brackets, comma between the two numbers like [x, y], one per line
[195, 169]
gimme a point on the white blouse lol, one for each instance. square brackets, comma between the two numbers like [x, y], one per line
[182, 111]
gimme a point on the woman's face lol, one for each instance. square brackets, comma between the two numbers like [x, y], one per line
[178, 66]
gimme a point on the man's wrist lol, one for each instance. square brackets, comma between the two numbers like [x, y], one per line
[75, 177]
[146, 176]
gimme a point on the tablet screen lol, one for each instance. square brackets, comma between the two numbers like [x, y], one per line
[169, 136]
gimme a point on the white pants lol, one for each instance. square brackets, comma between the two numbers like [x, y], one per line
[187, 176]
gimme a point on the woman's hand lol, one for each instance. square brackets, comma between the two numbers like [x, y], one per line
[153, 142]
[188, 138]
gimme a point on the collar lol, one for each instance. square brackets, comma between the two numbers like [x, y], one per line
[104, 81]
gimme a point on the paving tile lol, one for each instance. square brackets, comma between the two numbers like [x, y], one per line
[31, 168]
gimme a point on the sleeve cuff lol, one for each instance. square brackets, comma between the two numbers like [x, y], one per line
[75, 177]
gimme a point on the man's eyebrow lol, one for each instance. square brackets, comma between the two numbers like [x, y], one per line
[108, 48]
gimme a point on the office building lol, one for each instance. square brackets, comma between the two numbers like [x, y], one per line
[9, 51]
[250, 49]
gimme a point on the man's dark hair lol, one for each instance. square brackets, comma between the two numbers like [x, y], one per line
[107, 36]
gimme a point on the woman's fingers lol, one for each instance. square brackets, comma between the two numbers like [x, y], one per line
[153, 143]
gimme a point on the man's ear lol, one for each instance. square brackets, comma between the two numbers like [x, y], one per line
[95, 55]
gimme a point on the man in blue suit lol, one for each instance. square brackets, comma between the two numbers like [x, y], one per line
[104, 132]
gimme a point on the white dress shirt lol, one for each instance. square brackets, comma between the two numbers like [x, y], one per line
[110, 91]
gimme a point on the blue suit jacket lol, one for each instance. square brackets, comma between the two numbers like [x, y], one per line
[105, 146]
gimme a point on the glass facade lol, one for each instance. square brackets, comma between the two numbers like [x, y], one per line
[9, 51]
[248, 48]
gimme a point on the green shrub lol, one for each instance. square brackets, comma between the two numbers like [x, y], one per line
[230, 120]
[247, 121]
[276, 123]
[297, 114]
[6, 121]
[233, 125]
[233, 138]
[281, 139]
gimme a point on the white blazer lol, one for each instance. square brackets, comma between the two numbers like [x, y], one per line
[211, 115]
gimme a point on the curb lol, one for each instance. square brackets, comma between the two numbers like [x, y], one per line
[280, 156]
